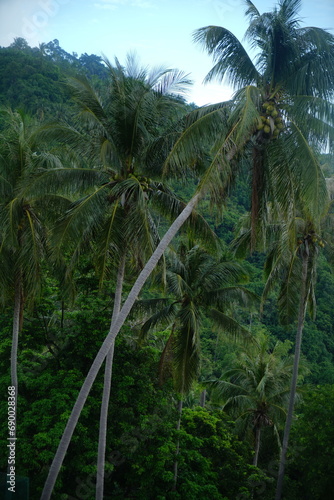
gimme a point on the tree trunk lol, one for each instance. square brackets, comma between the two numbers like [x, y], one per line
[203, 398]
[17, 322]
[86, 387]
[301, 318]
[106, 387]
[17, 315]
[257, 445]
[178, 425]
[257, 188]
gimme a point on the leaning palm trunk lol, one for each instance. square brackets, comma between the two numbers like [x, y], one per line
[105, 348]
[301, 318]
[106, 387]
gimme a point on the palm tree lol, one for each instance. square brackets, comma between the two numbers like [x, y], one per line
[119, 218]
[115, 217]
[22, 232]
[198, 285]
[297, 271]
[284, 162]
[255, 390]
[291, 263]
[283, 102]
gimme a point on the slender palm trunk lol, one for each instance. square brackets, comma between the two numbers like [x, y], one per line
[17, 323]
[86, 387]
[106, 387]
[301, 319]
[178, 426]
[257, 445]
[257, 187]
[17, 315]
[203, 398]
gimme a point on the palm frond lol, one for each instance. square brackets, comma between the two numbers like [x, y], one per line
[186, 350]
[161, 319]
[309, 179]
[232, 62]
[229, 326]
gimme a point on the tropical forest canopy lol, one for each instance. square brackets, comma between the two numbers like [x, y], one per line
[97, 159]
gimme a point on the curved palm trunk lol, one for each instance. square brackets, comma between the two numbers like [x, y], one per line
[106, 387]
[178, 426]
[301, 319]
[86, 387]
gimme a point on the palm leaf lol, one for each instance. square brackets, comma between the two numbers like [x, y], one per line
[231, 59]
[229, 326]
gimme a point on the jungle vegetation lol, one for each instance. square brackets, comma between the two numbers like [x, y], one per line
[188, 251]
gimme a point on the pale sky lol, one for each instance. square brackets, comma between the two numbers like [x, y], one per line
[160, 31]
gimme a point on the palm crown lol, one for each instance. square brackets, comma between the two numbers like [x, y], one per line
[196, 282]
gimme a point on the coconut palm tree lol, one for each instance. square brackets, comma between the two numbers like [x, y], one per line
[293, 73]
[198, 285]
[115, 217]
[255, 390]
[23, 234]
[283, 101]
[291, 264]
[296, 272]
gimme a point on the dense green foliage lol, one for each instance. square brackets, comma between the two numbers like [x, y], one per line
[312, 452]
[195, 298]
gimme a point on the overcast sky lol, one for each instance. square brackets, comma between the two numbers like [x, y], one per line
[160, 31]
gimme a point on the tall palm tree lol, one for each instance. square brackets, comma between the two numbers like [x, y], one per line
[284, 161]
[291, 264]
[118, 216]
[198, 285]
[283, 102]
[115, 217]
[22, 231]
[255, 390]
[296, 271]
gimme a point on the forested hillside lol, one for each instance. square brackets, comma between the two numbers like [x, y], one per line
[97, 159]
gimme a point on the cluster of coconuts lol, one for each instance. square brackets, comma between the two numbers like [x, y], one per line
[318, 241]
[271, 121]
[314, 239]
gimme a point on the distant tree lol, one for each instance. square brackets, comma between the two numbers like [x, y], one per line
[19, 44]
[93, 65]
[198, 285]
[255, 390]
